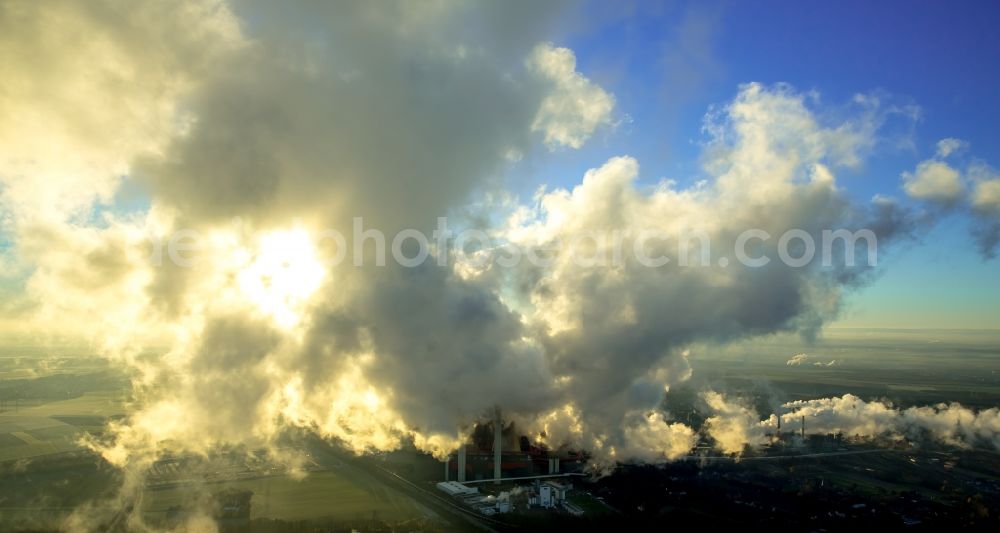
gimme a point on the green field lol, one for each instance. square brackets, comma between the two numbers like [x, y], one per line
[331, 495]
[55, 426]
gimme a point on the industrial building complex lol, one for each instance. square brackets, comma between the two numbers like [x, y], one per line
[495, 454]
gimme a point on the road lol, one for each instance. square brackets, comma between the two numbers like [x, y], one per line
[739, 458]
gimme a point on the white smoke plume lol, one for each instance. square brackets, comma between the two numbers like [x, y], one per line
[734, 427]
[797, 359]
[851, 416]
[800, 359]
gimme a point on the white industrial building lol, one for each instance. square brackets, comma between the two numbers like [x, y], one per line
[549, 494]
[469, 496]
[454, 488]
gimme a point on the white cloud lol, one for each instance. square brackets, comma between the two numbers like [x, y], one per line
[72, 123]
[934, 181]
[768, 140]
[975, 190]
[75, 114]
[575, 106]
[948, 146]
[987, 196]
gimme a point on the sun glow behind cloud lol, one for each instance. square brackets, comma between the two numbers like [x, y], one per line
[283, 272]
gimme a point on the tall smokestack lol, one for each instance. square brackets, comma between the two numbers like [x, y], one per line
[447, 465]
[461, 463]
[497, 444]
[803, 426]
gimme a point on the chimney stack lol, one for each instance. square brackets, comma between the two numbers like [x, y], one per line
[461, 463]
[497, 445]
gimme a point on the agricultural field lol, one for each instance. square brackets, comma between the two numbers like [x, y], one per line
[39, 493]
[333, 495]
[47, 404]
[53, 403]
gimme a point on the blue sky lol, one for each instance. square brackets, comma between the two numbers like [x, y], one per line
[667, 63]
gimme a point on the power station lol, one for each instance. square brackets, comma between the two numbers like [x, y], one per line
[495, 452]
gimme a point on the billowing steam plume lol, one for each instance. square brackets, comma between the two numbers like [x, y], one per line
[734, 427]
